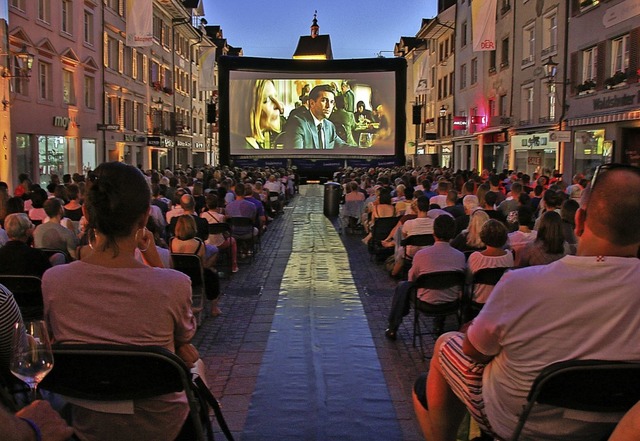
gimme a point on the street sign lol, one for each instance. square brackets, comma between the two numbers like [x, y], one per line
[560, 136]
[108, 126]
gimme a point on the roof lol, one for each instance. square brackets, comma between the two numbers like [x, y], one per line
[318, 47]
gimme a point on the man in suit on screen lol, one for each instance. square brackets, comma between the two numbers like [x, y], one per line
[312, 129]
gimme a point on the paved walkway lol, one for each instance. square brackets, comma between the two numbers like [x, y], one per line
[299, 352]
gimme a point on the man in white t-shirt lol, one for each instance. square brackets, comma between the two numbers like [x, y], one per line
[579, 307]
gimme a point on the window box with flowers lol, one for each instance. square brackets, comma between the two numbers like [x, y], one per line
[157, 85]
[167, 90]
[618, 79]
[585, 88]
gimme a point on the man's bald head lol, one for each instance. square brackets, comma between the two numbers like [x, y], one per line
[613, 207]
[187, 203]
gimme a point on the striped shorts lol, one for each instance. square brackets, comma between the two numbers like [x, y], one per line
[464, 377]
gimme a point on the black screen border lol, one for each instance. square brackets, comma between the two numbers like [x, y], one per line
[226, 64]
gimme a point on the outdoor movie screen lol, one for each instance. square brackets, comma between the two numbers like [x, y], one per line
[313, 109]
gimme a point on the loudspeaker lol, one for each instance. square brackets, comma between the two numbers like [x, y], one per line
[211, 113]
[417, 114]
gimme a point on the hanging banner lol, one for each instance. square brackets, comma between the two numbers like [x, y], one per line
[139, 25]
[421, 87]
[483, 24]
[207, 65]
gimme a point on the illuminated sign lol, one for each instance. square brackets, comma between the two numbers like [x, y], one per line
[478, 119]
[460, 123]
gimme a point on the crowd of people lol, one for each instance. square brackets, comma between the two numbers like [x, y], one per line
[575, 248]
[570, 253]
[121, 245]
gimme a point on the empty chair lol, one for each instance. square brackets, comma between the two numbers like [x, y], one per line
[108, 373]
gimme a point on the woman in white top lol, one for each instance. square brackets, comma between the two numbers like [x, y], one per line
[213, 216]
[494, 236]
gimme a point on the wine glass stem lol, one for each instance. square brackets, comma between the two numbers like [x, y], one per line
[34, 393]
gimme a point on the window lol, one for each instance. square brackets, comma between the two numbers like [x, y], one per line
[452, 84]
[445, 86]
[492, 107]
[527, 104]
[89, 92]
[128, 61]
[166, 35]
[550, 33]
[440, 88]
[67, 17]
[111, 53]
[116, 5]
[551, 102]
[44, 81]
[44, 11]
[157, 28]
[504, 53]
[68, 89]
[589, 64]
[502, 105]
[620, 54]
[127, 114]
[463, 76]
[112, 110]
[528, 44]
[88, 28]
[463, 34]
[18, 4]
[140, 117]
[474, 71]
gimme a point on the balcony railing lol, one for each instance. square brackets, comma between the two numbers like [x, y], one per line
[547, 119]
[549, 50]
[527, 60]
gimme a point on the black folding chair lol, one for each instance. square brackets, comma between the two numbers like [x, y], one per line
[191, 265]
[106, 372]
[416, 240]
[27, 292]
[224, 256]
[607, 387]
[437, 280]
[242, 230]
[485, 276]
[381, 228]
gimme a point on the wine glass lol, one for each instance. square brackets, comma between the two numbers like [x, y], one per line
[31, 358]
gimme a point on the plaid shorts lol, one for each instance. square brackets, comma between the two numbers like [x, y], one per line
[464, 377]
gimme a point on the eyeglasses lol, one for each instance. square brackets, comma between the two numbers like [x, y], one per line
[604, 167]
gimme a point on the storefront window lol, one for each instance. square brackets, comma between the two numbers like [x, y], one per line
[52, 156]
[591, 150]
[89, 160]
[24, 158]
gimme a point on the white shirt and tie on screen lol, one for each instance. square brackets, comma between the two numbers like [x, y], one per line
[312, 129]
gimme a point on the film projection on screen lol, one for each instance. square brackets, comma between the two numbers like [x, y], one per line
[266, 107]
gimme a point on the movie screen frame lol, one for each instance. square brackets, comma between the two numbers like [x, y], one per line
[247, 85]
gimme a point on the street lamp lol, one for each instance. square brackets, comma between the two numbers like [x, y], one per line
[443, 110]
[551, 69]
[24, 65]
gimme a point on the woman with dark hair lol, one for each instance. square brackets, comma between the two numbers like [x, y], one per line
[111, 297]
[213, 216]
[73, 209]
[549, 244]
[494, 236]
[36, 212]
[568, 215]
[381, 207]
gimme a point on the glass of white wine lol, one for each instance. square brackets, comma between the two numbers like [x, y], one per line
[31, 357]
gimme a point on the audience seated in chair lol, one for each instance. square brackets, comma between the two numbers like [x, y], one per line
[212, 216]
[578, 307]
[16, 257]
[52, 234]
[435, 258]
[129, 302]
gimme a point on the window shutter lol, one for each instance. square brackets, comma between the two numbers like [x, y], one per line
[601, 69]
[634, 55]
[105, 49]
[120, 56]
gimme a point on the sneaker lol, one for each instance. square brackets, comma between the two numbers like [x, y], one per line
[391, 334]
[235, 270]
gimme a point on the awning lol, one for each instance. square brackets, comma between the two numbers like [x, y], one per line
[494, 129]
[603, 119]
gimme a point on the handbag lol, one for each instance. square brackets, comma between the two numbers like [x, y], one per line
[207, 400]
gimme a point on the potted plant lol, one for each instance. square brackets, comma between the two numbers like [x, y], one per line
[618, 78]
[586, 87]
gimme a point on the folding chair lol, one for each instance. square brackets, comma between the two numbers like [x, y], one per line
[50, 252]
[27, 292]
[350, 214]
[485, 276]
[242, 230]
[416, 240]
[379, 231]
[191, 265]
[605, 387]
[437, 280]
[224, 256]
[108, 372]
[275, 205]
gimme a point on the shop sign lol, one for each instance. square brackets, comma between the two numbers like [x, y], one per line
[133, 138]
[460, 123]
[534, 160]
[198, 146]
[478, 119]
[613, 101]
[65, 122]
[109, 127]
[154, 141]
[560, 135]
[180, 143]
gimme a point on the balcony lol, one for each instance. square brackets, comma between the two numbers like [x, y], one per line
[547, 119]
[525, 122]
[527, 60]
[549, 51]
